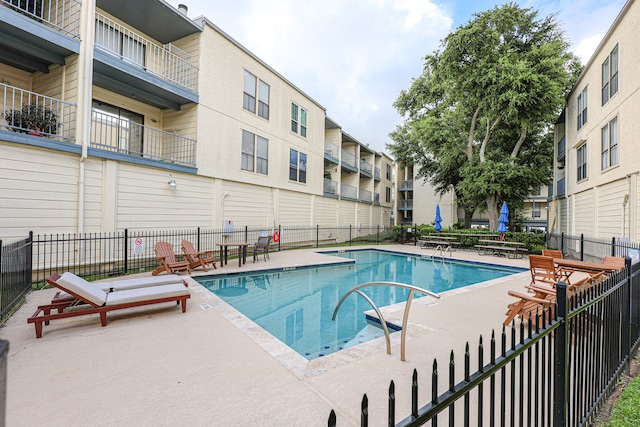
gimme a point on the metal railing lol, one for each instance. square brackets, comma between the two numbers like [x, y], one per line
[376, 199]
[348, 191]
[330, 187]
[331, 150]
[557, 369]
[349, 159]
[36, 114]
[15, 275]
[405, 204]
[366, 167]
[167, 61]
[365, 196]
[376, 174]
[120, 135]
[405, 185]
[63, 15]
[588, 248]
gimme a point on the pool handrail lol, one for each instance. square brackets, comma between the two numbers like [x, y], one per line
[412, 290]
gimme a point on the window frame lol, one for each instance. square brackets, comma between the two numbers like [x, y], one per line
[581, 162]
[297, 166]
[256, 95]
[299, 120]
[254, 153]
[610, 68]
[609, 143]
[583, 103]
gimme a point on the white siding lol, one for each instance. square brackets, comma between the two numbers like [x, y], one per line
[326, 211]
[248, 205]
[609, 208]
[295, 209]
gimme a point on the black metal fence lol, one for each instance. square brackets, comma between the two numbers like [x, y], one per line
[590, 249]
[27, 263]
[15, 275]
[555, 370]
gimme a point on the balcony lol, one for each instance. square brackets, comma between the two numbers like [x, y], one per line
[349, 162]
[405, 205]
[348, 192]
[366, 169]
[36, 114]
[365, 196]
[37, 33]
[561, 187]
[330, 188]
[376, 199]
[126, 138]
[405, 185]
[133, 66]
[376, 174]
[331, 152]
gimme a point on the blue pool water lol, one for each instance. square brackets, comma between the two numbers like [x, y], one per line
[296, 305]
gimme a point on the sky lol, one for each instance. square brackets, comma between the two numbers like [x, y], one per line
[354, 57]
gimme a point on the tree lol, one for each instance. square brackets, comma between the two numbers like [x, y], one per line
[477, 118]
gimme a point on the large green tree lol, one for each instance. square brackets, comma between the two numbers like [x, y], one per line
[477, 119]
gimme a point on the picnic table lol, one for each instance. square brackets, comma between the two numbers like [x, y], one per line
[501, 248]
[589, 267]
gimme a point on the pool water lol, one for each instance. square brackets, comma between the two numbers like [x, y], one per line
[296, 305]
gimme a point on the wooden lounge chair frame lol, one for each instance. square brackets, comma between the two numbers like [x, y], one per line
[167, 260]
[553, 253]
[45, 313]
[198, 258]
[544, 270]
[262, 245]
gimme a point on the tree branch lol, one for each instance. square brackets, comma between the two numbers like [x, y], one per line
[472, 134]
[487, 135]
[516, 149]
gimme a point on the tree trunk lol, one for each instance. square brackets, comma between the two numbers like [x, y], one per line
[493, 212]
[468, 216]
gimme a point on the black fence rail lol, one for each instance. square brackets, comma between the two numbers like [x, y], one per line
[590, 249]
[15, 275]
[555, 370]
[27, 263]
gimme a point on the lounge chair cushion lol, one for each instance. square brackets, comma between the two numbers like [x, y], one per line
[124, 284]
[83, 288]
[146, 294]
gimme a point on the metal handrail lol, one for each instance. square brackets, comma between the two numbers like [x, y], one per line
[413, 289]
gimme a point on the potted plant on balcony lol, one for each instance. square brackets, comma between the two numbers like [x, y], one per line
[32, 119]
[30, 8]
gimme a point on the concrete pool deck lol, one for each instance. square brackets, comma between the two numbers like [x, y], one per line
[155, 366]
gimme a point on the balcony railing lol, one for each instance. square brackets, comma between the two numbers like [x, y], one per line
[405, 204]
[376, 174]
[166, 61]
[349, 159]
[63, 15]
[331, 150]
[366, 167]
[348, 191]
[330, 187]
[376, 199]
[33, 113]
[123, 136]
[405, 185]
[561, 187]
[365, 196]
[562, 148]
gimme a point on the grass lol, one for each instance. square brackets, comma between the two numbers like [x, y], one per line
[622, 409]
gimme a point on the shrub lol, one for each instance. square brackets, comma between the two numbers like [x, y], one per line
[32, 118]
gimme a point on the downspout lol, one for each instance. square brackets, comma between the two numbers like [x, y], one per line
[83, 116]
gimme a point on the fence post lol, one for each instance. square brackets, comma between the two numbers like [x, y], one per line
[350, 234]
[626, 319]
[246, 234]
[560, 383]
[613, 246]
[562, 242]
[279, 234]
[415, 234]
[317, 235]
[126, 250]
[581, 247]
[198, 239]
[378, 234]
[29, 259]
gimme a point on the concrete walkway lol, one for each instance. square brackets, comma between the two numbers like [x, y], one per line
[155, 366]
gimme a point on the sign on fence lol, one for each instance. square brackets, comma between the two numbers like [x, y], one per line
[138, 246]
[634, 254]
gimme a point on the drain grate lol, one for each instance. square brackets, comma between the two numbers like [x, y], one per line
[205, 306]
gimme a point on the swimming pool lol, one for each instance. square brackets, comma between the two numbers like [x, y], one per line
[296, 305]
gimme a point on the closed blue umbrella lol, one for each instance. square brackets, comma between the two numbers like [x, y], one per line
[504, 218]
[438, 219]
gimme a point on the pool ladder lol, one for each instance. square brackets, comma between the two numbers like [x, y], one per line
[405, 318]
[443, 251]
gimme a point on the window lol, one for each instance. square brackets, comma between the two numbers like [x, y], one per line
[582, 108]
[297, 166]
[256, 89]
[609, 152]
[388, 172]
[387, 194]
[120, 43]
[255, 153]
[298, 120]
[535, 209]
[582, 162]
[115, 128]
[610, 76]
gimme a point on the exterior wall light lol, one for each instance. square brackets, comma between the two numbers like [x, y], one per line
[173, 184]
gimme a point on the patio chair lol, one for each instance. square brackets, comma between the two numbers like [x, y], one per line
[544, 270]
[262, 245]
[167, 260]
[97, 301]
[553, 253]
[616, 261]
[198, 258]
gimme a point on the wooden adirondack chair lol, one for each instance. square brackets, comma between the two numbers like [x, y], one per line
[544, 270]
[198, 258]
[167, 260]
[553, 253]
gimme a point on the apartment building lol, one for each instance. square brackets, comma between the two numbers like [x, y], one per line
[120, 114]
[595, 168]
